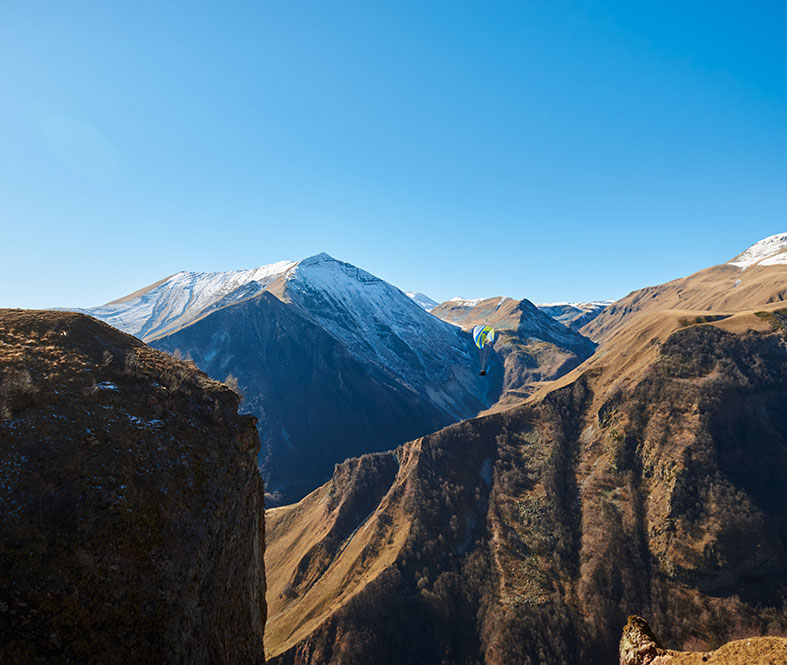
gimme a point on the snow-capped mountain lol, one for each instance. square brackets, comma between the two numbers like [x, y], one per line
[383, 326]
[333, 360]
[422, 299]
[769, 251]
[317, 401]
[574, 314]
[182, 298]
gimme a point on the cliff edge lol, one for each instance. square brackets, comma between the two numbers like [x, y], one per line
[131, 509]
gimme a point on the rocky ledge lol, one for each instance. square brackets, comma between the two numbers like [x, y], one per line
[639, 646]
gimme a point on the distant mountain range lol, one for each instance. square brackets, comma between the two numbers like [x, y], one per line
[533, 346]
[336, 362]
[574, 314]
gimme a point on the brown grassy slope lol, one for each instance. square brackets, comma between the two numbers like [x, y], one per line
[130, 502]
[501, 313]
[722, 288]
[630, 351]
[652, 481]
[336, 541]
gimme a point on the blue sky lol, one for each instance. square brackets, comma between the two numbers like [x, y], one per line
[550, 150]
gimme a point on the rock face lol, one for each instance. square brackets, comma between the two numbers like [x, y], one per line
[638, 646]
[651, 481]
[131, 510]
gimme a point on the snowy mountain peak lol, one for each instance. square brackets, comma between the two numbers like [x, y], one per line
[322, 257]
[184, 297]
[767, 252]
[327, 271]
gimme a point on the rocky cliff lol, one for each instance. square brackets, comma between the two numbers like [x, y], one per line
[639, 646]
[130, 503]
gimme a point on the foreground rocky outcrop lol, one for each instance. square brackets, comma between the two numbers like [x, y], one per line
[651, 480]
[131, 518]
[639, 646]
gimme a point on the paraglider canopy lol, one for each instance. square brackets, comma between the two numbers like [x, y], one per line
[484, 337]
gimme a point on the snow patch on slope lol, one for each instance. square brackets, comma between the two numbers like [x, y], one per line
[767, 252]
[183, 297]
[421, 299]
[584, 306]
[356, 306]
[465, 302]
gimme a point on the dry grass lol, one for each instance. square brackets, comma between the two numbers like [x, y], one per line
[307, 583]
[708, 291]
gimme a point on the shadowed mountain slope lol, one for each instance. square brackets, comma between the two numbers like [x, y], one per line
[316, 400]
[532, 346]
[651, 482]
[131, 524]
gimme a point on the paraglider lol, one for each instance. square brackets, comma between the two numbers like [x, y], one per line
[484, 338]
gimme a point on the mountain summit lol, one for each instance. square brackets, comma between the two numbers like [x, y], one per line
[755, 277]
[182, 298]
[767, 252]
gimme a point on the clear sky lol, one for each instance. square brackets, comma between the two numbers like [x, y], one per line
[550, 150]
